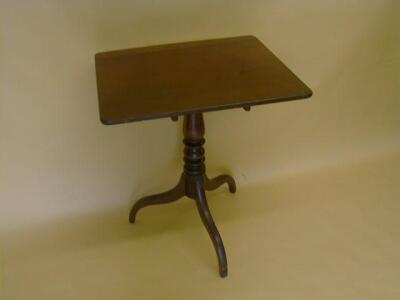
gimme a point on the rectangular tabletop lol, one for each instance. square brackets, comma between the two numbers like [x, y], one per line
[176, 79]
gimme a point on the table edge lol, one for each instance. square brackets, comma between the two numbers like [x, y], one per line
[111, 121]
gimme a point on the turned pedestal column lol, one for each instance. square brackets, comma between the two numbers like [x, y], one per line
[193, 184]
[188, 79]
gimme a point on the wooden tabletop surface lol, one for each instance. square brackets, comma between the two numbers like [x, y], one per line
[176, 79]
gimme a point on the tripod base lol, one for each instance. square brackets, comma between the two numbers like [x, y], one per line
[193, 184]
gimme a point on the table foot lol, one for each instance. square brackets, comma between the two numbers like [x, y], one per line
[170, 196]
[212, 230]
[216, 182]
[193, 184]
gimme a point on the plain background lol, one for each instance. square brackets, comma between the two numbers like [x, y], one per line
[316, 214]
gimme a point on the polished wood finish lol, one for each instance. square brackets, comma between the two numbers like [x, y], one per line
[170, 196]
[189, 79]
[193, 184]
[214, 183]
[177, 79]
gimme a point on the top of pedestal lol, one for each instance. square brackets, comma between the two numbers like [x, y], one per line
[176, 79]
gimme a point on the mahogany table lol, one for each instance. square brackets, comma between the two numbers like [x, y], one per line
[187, 79]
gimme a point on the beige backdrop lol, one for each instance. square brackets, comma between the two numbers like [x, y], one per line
[67, 182]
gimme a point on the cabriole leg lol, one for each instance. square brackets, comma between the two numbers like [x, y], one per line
[205, 214]
[216, 182]
[170, 196]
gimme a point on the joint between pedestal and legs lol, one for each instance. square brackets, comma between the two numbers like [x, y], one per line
[193, 184]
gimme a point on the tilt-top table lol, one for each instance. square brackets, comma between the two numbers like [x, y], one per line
[188, 79]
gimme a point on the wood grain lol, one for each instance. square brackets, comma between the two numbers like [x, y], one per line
[177, 79]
